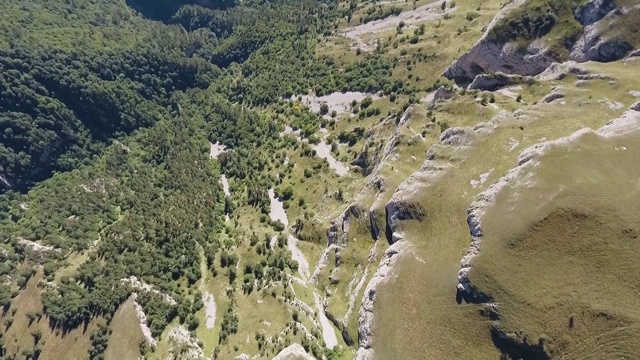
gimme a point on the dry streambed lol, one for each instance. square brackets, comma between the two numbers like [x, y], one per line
[276, 213]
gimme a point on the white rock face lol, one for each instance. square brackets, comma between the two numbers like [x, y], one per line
[34, 246]
[629, 122]
[293, 351]
[365, 315]
[142, 319]
[5, 182]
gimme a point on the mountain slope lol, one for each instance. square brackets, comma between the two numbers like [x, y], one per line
[285, 179]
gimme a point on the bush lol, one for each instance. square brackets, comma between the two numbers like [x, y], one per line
[324, 109]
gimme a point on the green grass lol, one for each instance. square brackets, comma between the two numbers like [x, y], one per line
[580, 242]
[54, 343]
[124, 342]
[416, 314]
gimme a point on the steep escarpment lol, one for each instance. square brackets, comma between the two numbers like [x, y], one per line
[526, 36]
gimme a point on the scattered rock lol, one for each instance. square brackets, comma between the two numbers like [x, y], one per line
[337, 101]
[430, 11]
[595, 77]
[612, 105]
[323, 150]
[209, 309]
[242, 357]
[483, 178]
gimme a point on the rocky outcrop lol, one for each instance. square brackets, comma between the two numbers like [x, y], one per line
[497, 80]
[399, 210]
[339, 229]
[144, 324]
[457, 136]
[365, 315]
[558, 71]
[597, 16]
[518, 346]
[373, 225]
[372, 158]
[490, 56]
[627, 123]
[593, 45]
[556, 93]
[593, 11]
[143, 286]
[183, 345]
[440, 95]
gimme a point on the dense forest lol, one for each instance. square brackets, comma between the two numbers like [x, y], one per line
[115, 110]
[107, 109]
